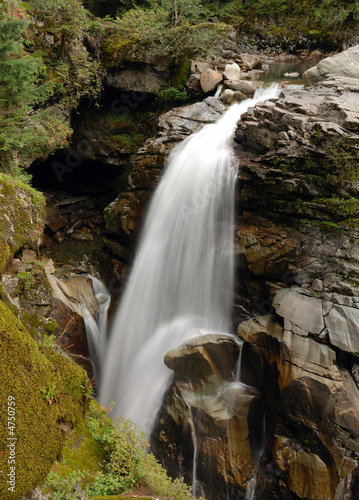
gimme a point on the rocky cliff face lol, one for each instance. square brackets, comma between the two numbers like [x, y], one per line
[296, 298]
[298, 261]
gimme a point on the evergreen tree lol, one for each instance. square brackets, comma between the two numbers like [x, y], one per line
[17, 72]
[18, 90]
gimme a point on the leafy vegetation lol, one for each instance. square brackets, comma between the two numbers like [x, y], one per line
[26, 280]
[41, 63]
[126, 464]
[307, 25]
[171, 95]
[173, 28]
[18, 91]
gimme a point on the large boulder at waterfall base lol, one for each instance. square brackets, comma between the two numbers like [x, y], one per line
[204, 404]
[204, 357]
[344, 64]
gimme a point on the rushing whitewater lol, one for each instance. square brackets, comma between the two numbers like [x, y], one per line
[182, 277]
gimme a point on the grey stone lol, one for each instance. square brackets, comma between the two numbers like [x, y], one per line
[255, 74]
[248, 88]
[317, 285]
[198, 66]
[206, 357]
[343, 327]
[36, 494]
[144, 80]
[344, 64]
[305, 312]
[228, 96]
[251, 61]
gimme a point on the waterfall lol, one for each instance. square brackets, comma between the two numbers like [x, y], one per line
[251, 488]
[103, 299]
[196, 486]
[182, 277]
[96, 331]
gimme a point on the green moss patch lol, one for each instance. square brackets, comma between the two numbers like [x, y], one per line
[117, 48]
[22, 211]
[43, 392]
[81, 451]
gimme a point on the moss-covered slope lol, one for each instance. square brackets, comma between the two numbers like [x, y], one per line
[40, 392]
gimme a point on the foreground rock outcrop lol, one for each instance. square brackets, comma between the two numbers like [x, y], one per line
[42, 394]
[205, 419]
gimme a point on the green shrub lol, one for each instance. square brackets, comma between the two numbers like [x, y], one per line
[63, 489]
[126, 463]
[171, 95]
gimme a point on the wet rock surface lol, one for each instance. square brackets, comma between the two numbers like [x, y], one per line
[70, 218]
[205, 417]
[313, 404]
[308, 146]
[297, 255]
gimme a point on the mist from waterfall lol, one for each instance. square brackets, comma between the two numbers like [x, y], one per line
[181, 283]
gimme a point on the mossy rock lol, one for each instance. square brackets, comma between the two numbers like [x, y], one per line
[45, 394]
[117, 49]
[81, 451]
[22, 211]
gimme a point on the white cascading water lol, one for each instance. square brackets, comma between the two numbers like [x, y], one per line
[103, 299]
[182, 277]
[96, 330]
